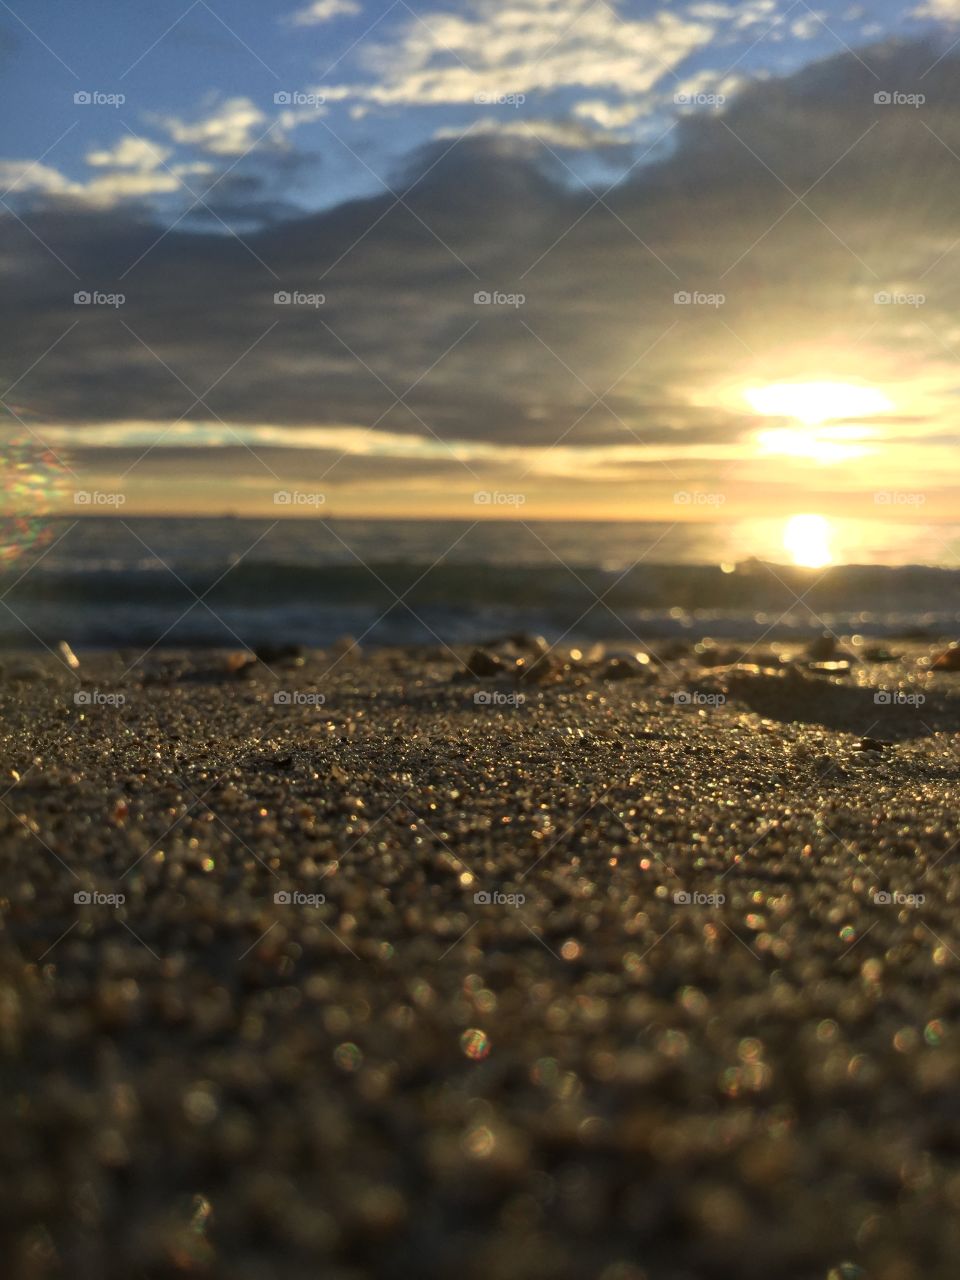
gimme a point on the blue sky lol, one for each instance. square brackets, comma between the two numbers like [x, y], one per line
[394, 163]
[200, 81]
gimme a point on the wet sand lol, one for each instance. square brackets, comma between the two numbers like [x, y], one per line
[624, 971]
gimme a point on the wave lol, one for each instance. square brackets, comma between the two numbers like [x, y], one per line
[102, 601]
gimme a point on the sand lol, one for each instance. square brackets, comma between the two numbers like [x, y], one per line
[700, 1023]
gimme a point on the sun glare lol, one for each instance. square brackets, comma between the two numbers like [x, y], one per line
[813, 403]
[807, 540]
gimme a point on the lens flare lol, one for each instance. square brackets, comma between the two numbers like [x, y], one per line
[32, 487]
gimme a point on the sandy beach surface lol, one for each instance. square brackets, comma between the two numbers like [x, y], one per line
[352, 965]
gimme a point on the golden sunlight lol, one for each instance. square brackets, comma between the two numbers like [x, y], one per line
[807, 539]
[813, 403]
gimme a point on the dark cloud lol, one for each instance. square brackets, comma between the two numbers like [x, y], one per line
[716, 215]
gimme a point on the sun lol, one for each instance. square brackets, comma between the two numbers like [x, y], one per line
[813, 403]
[807, 539]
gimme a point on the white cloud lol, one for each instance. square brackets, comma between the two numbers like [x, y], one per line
[945, 10]
[552, 133]
[323, 11]
[230, 130]
[130, 153]
[26, 175]
[808, 26]
[607, 114]
[529, 46]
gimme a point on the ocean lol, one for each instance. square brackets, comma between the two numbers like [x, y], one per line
[103, 582]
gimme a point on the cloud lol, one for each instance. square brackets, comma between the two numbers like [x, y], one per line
[572, 134]
[323, 11]
[607, 114]
[525, 47]
[21, 176]
[598, 369]
[130, 153]
[230, 130]
[944, 10]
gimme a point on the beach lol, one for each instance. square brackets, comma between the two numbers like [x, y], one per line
[483, 961]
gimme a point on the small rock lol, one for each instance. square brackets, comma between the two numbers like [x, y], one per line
[822, 647]
[239, 663]
[528, 643]
[278, 652]
[949, 660]
[876, 653]
[483, 664]
[621, 669]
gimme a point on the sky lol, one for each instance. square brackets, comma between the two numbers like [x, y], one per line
[572, 258]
